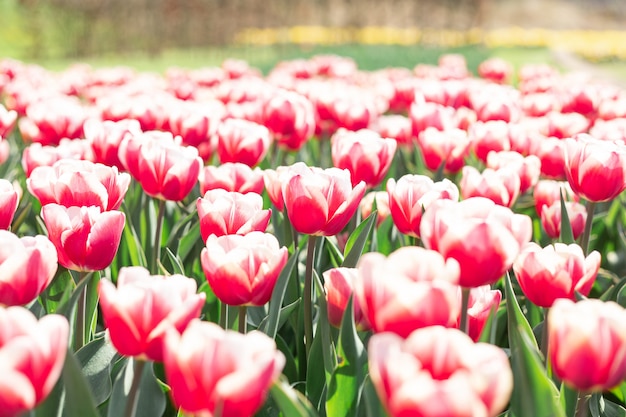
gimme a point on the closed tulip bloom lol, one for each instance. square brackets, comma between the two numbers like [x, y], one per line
[426, 115]
[489, 136]
[548, 192]
[528, 168]
[411, 288]
[320, 201]
[395, 126]
[9, 200]
[483, 301]
[551, 153]
[36, 155]
[483, 237]
[242, 270]
[165, 169]
[551, 218]
[143, 307]
[366, 206]
[32, 354]
[213, 371]
[79, 183]
[339, 285]
[556, 271]
[587, 348]
[242, 141]
[86, 239]
[8, 118]
[290, 117]
[273, 185]
[224, 212]
[496, 70]
[448, 147]
[231, 176]
[364, 153]
[27, 266]
[595, 169]
[105, 138]
[501, 186]
[439, 372]
[411, 195]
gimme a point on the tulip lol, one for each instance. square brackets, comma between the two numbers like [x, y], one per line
[483, 301]
[364, 153]
[395, 126]
[366, 206]
[595, 169]
[426, 115]
[216, 372]
[339, 286]
[353, 108]
[548, 192]
[224, 212]
[36, 155]
[528, 168]
[9, 200]
[231, 177]
[105, 138]
[49, 120]
[32, 354]
[483, 237]
[290, 117]
[242, 270]
[489, 136]
[501, 186]
[587, 348]
[8, 118]
[242, 141]
[143, 307]
[448, 147]
[411, 288]
[86, 239]
[79, 183]
[565, 125]
[551, 153]
[554, 272]
[27, 266]
[165, 169]
[496, 70]
[320, 202]
[439, 372]
[551, 219]
[273, 185]
[196, 124]
[411, 195]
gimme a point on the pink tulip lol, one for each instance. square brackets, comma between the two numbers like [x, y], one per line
[483, 237]
[548, 192]
[411, 195]
[395, 126]
[565, 125]
[79, 183]
[216, 372]
[143, 307]
[587, 348]
[410, 289]
[449, 147]
[425, 115]
[242, 141]
[551, 153]
[165, 169]
[556, 271]
[439, 372]
[551, 218]
[273, 185]
[32, 354]
[501, 186]
[36, 155]
[339, 285]
[224, 212]
[496, 70]
[50, 120]
[231, 177]
[27, 266]
[364, 153]
[290, 117]
[489, 136]
[528, 168]
[105, 138]
[8, 118]
[9, 200]
[366, 206]
[242, 270]
[482, 302]
[320, 202]
[86, 239]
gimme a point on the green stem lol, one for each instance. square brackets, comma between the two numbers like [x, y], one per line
[582, 407]
[464, 325]
[133, 394]
[307, 295]
[223, 315]
[242, 319]
[81, 312]
[584, 241]
[544, 335]
[156, 249]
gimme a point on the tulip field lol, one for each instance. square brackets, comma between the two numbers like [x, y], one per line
[319, 240]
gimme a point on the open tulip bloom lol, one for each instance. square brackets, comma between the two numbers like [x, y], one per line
[482, 275]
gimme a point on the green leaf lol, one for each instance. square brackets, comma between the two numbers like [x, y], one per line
[177, 264]
[601, 407]
[283, 316]
[569, 398]
[278, 295]
[567, 236]
[344, 389]
[373, 405]
[292, 403]
[334, 253]
[357, 240]
[534, 393]
[151, 399]
[189, 240]
[133, 245]
[58, 292]
[79, 401]
[95, 359]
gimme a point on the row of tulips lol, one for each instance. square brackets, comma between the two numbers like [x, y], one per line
[221, 243]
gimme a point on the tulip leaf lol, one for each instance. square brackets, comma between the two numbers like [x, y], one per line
[344, 389]
[373, 405]
[567, 236]
[177, 264]
[79, 401]
[283, 316]
[334, 253]
[278, 295]
[58, 292]
[534, 393]
[292, 403]
[569, 399]
[189, 240]
[151, 399]
[95, 359]
[601, 407]
[133, 245]
[357, 240]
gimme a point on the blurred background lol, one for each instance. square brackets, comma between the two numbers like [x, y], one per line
[154, 34]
